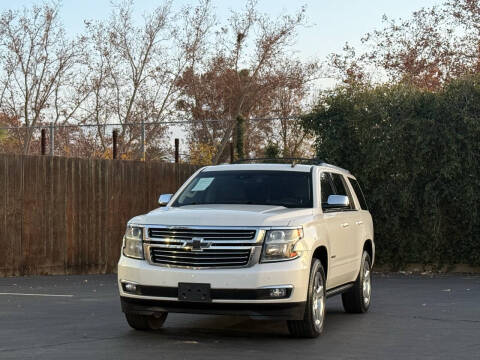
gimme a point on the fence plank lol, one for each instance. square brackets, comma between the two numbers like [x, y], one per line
[70, 215]
[11, 240]
[59, 224]
[6, 255]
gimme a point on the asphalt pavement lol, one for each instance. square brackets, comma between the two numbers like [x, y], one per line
[411, 317]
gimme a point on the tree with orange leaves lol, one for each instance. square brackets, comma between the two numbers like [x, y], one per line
[248, 74]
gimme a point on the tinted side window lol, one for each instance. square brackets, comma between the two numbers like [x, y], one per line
[326, 187]
[359, 193]
[341, 189]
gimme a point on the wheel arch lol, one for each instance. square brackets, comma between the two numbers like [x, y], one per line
[370, 249]
[321, 253]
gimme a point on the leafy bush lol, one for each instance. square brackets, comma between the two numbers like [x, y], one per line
[416, 153]
[272, 151]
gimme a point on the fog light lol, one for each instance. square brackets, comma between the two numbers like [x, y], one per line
[278, 292]
[129, 287]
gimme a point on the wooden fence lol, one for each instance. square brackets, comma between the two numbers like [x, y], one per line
[67, 215]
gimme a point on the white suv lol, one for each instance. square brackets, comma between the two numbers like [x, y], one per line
[263, 240]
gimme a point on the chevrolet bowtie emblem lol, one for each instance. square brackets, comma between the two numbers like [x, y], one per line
[196, 244]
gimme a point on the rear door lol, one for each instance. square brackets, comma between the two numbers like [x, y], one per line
[363, 224]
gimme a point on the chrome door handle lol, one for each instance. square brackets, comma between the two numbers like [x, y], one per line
[344, 225]
[359, 222]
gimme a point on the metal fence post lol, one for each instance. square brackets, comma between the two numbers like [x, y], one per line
[44, 142]
[232, 153]
[52, 139]
[114, 143]
[177, 148]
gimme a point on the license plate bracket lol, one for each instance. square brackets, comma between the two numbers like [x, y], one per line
[194, 292]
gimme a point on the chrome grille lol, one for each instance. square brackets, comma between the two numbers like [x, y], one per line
[206, 258]
[206, 234]
[202, 247]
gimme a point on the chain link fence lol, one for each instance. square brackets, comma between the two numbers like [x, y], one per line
[166, 141]
[135, 141]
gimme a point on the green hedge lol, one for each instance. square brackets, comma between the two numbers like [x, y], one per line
[417, 156]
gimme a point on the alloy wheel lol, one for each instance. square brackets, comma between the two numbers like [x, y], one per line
[367, 284]
[318, 301]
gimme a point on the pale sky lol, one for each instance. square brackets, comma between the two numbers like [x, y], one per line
[332, 22]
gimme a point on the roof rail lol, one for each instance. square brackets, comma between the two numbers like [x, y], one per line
[292, 161]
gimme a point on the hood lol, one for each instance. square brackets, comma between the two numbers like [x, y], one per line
[223, 215]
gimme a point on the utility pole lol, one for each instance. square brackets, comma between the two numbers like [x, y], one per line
[143, 140]
[114, 141]
[177, 151]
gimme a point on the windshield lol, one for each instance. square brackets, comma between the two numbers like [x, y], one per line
[283, 188]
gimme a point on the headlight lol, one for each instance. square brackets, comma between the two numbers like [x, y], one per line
[279, 244]
[132, 242]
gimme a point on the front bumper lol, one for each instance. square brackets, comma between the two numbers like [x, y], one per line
[277, 311]
[247, 280]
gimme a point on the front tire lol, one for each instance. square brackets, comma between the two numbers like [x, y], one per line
[313, 321]
[145, 322]
[357, 299]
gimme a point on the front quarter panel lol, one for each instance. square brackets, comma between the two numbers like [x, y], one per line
[315, 236]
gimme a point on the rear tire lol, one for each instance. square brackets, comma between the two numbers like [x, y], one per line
[145, 322]
[358, 298]
[312, 324]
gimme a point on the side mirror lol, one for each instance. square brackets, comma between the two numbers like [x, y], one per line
[164, 199]
[338, 201]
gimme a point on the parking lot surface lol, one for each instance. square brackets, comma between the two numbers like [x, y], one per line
[411, 317]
